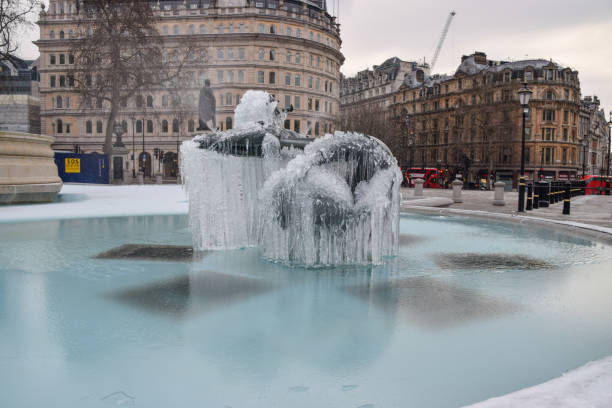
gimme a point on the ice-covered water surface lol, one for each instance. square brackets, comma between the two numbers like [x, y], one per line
[335, 203]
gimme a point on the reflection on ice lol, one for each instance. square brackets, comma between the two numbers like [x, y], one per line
[489, 261]
[431, 303]
[198, 292]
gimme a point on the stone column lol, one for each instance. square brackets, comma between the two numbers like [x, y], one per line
[418, 187]
[457, 187]
[499, 193]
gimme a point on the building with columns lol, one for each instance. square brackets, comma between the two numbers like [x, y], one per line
[471, 122]
[594, 137]
[289, 48]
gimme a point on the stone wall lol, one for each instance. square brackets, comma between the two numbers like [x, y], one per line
[20, 113]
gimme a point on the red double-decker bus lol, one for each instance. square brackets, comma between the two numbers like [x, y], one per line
[596, 185]
[432, 177]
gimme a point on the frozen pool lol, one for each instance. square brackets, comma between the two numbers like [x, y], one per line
[442, 325]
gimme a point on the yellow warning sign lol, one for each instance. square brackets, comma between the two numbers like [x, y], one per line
[72, 165]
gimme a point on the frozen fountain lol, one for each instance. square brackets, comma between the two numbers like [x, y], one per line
[330, 201]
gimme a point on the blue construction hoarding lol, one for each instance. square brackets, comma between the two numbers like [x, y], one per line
[82, 168]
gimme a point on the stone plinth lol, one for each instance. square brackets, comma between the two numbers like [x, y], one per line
[418, 187]
[28, 173]
[457, 187]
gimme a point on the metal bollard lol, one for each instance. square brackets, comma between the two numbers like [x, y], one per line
[529, 197]
[536, 196]
[457, 186]
[608, 187]
[499, 193]
[566, 201]
[543, 199]
[418, 187]
[521, 199]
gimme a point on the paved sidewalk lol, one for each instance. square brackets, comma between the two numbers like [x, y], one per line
[592, 210]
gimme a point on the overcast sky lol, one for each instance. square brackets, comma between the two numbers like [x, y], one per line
[573, 33]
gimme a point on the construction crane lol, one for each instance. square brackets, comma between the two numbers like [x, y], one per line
[441, 42]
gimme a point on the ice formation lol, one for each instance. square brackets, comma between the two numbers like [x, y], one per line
[337, 202]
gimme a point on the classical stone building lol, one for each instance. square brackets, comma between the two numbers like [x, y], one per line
[594, 137]
[290, 48]
[471, 122]
[19, 102]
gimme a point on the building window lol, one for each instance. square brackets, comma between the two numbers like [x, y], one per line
[99, 126]
[191, 125]
[88, 127]
[230, 53]
[175, 30]
[289, 32]
[165, 30]
[261, 28]
[202, 29]
[287, 124]
[219, 77]
[272, 55]
[228, 123]
[175, 126]
[298, 58]
[241, 77]
[149, 126]
[297, 81]
[317, 104]
[272, 77]
[52, 81]
[229, 99]
[260, 77]
[220, 55]
[165, 126]
[58, 102]
[310, 82]
[296, 126]
[296, 102]
[287, 101]
[52, 35]
[287, 79]
[139, 126]
[60, 126]
[241, 53]
[149, 101]
[52, 59]
[191, 29]
[261, 54]
[316, 129]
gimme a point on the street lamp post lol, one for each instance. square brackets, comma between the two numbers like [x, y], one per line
[585, 144]
[524, 97]
[608, 163]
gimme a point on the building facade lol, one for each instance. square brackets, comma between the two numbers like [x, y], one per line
[471, 122]
[594, 137]
[19, 97]
[289, 48]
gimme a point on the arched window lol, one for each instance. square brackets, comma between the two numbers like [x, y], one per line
[52, 35]
[58, 102]
[190, 125]
[272, 55]
[139, 101]
[61, 35]
[272, 29]
[60, 126]
[298, 33]
[164, 101]
[139, 126]
[175, 30]
[88, 127]
[261, 54]
[288, 56]
[191, 29]
[289, 31]
[220, 53]
[175, 126]
[220, 29]
[71, 34]
[202, 29]
[99, 126]
[228, 123]
[165, 126]
[261, 28]
[149, 126]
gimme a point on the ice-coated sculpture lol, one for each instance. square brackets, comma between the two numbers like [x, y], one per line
[330, 201]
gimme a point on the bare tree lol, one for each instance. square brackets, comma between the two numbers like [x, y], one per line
[13, 14]
[120, 54]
